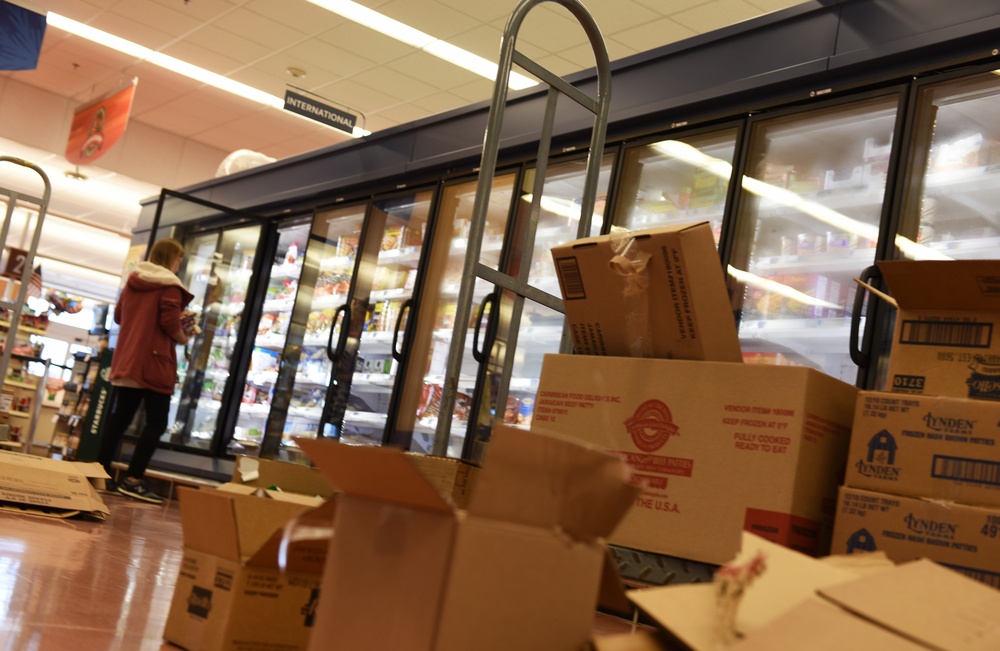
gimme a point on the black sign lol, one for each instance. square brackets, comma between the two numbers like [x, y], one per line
[320, 112]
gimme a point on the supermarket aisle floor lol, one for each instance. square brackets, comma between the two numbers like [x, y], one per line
[73, 585]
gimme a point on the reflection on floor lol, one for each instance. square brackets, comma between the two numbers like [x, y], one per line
[73, 585]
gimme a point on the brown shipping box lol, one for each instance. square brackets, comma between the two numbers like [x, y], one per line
[923, 446]
[964, 538]
[51, 487]
[947, 335]
[653, 293]
[520, 569]
[717, 447]
[232, 593]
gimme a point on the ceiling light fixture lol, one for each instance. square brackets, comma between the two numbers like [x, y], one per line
[434, 46]
[176, 65]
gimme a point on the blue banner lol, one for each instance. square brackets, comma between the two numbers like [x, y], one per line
[21, 32]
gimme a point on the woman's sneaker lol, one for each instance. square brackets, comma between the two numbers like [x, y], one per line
[137, 489]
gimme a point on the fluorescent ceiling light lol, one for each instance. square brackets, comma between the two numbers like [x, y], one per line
[402, 32]
[175, 65]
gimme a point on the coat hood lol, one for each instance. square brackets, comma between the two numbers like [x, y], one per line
[147, 277]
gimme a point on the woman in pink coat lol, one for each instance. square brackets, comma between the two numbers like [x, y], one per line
[144, 365]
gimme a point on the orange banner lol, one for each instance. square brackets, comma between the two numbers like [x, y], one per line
[98, 126]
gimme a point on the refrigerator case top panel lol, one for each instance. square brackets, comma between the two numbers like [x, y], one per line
[325, 255]
[218, 268]
[807, 225]
[950, 201]
[421, 391]
[677, 181]
[269, 337]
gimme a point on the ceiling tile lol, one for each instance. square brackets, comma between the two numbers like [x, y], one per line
[365, 43]
[229, 45]
[485, 10]
[144, 34]
[303, 16]
[259, 28]
[430, 72]
[434, 18]
[653, 34]
[439, 102]
[167, 19]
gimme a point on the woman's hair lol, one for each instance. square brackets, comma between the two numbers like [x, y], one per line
[165, 251]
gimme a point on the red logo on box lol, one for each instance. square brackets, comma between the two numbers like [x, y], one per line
[651, 426]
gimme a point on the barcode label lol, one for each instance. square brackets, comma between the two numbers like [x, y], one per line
[946, 333]
[570, 278]
[973, 470]
[983, 576]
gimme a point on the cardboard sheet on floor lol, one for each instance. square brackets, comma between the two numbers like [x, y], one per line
[49, 487]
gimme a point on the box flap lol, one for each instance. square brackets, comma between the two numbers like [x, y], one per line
[283, 475]
[546, 480]
[971, 285]
[638, 641]
[208, 522]
[924, 601]
[308, 539]
[383, 474]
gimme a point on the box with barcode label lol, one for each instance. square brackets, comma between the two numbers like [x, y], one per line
[947, 333]
[961, 537]
[926, 446]
[658, 293]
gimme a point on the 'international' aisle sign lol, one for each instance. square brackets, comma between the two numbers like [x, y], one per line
[320, 112]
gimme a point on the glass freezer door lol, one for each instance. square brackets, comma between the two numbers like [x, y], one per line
[420, 397]
[327, 258]
[381, 303]
[269, 336]
[950, 203]
[808, 222]
[217, 269]
[677, 181]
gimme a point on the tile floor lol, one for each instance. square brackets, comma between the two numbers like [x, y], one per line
[74, 585]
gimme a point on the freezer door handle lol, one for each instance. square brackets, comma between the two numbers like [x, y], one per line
[344, 314]
[477, 354]
[868, 276]
[397, 354]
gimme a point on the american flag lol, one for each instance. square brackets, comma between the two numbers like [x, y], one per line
[35, 284]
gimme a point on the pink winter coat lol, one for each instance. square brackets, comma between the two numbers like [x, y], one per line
[149, 313]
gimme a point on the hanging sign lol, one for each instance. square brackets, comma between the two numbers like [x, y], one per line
[319, 111]
[98, 126]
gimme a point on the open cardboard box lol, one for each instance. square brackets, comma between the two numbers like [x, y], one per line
[520, 568]
[831, 604]
[659, 292]
[717, 447]
[41, 486]
[945, 341]
[926, 447]
[234, 591]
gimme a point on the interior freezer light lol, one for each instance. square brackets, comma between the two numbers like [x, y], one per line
[775, 287]
[434, 46]
[689, 154]
[176, 65]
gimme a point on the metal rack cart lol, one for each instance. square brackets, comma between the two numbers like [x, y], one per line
[473, 269]
[24, 266]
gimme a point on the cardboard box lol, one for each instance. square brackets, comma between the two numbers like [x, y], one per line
[717, 447]
[281, 476]
[653, 293]
[924, 446]
[520, 569]
[964, 538]
[51, 487]
[947, 334]
[233, 592]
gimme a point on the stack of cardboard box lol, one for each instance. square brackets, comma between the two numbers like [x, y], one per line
[716, 445]
[923, 474]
